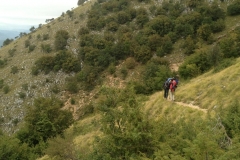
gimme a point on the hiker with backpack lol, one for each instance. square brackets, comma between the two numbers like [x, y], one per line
[172, 87]
[166, 87]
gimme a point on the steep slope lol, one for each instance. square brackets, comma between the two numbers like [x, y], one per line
[22, 86]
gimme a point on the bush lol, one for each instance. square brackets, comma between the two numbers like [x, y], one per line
[1, 83]
[27, 43]
[6, 89]
[130, 63]
[72, 86]
[224, 64]
[31, 48]
[45, 37]
[46, 48]
[7, 42]
[233, 9]
[22, 95]
[11, 52]
[123, 17]
[14, 70]
[61, 38]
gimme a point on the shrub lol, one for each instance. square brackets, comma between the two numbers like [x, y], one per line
[45, 37]
[22, 95]
[72, 86]
[11, 52]
[233, 9]
[31, 48]
[61, 38]
[111, 68]
[27, 43]
[83, 31]
[1, 83]
[25, 86]
[6, 89]
[14, 70]
[123, 17]
[130, 63]
[7, 42]
[124, 72]
[46, 48]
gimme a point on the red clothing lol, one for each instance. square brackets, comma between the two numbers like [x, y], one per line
[173, 85]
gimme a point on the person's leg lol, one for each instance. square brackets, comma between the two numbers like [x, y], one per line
[165, 93]
[167, 90]
[173, 96]
[170, 92]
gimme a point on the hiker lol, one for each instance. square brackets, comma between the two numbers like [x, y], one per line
[166, 86]
[173, 86]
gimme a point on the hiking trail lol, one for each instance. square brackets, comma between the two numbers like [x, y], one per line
[191, 106]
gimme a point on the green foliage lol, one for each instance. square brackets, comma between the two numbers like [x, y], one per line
[6, 89]
[230, 47]
[10, 148]
[62, 148]
[127, 131]
[44, 120]
[166, 46]
[72, 85]
[31, 48]
[83, 31]
[232, 119]
[46, 48]
[80, 2]
[7, 42]
[62, 60]
[123, 17]
[153, 76]
[224, 64]
[69, 13]
[27, 43]
[130, 63]
[141, 20]
[61, 38]
[1, 83]
[11, 52]
[195, 65]
[142, 53]
[45, 37]
[3, 63]
[204, 32]
[161, 24]
[25, 86]
[218, 26]
[88, 77]
[189, 45]
[14, 70]
[22, 95]
[234, 8]
[111, 68]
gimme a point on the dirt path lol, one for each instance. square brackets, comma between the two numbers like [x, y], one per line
[191, 106]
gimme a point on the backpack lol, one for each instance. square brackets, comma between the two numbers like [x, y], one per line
[167, 83]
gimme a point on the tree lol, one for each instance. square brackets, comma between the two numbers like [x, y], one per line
[161, 24]
[11, 148]
[32, 29]
[7, 42]
[127, 132]
[44, 120]
[80, 2]
[61, 38]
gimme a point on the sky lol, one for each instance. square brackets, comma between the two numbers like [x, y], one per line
[22, 14]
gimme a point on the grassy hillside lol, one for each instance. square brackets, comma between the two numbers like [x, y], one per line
[116, 98]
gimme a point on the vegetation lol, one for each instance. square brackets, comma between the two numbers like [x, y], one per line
[108, 68]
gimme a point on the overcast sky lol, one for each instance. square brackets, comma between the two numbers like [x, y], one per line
[19, 14]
